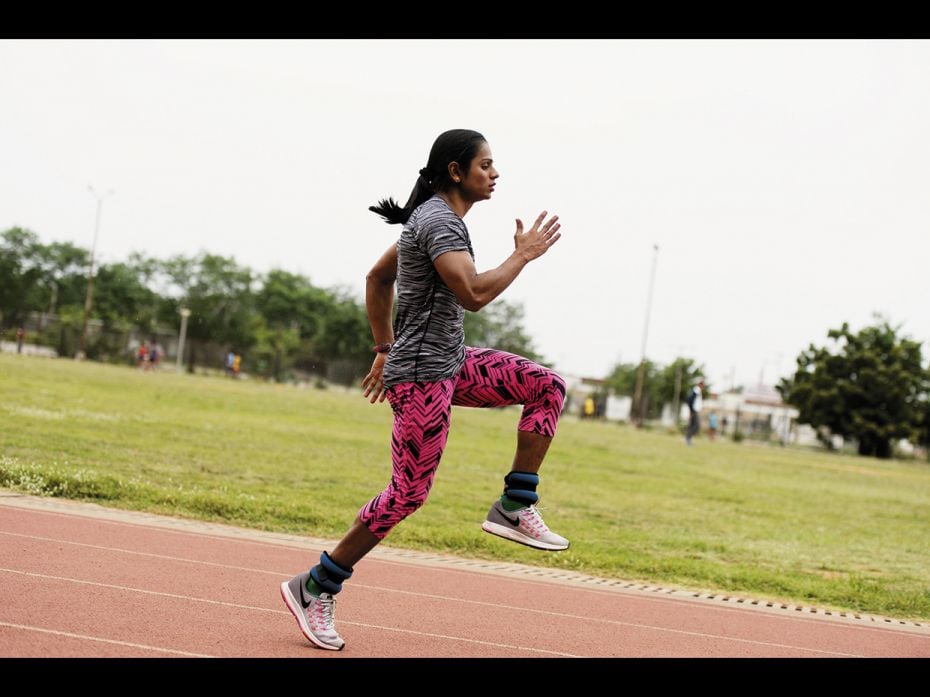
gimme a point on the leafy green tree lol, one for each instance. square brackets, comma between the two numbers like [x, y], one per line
[658, 382]
[63, 279]
[866, 386]
[20, 274]
[500, 325]
[344, 341]
[286, 322]
[218, 293]
[121, 297]
[287, 299]
[685, 373]
[622, 381]
[274, 348]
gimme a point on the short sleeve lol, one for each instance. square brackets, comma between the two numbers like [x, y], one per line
[445, 234]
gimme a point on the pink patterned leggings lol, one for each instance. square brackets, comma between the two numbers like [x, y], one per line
[489, 378]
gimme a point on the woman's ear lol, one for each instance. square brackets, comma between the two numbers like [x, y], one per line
[455, 172]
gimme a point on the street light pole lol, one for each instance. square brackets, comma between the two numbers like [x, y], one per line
[89, 298]
[680, 351]
[677, 408]
[640, 375]
[185, 313]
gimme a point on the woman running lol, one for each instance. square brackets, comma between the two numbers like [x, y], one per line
[424, 368]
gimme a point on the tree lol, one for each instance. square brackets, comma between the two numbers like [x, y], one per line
[20, 274]
[345, 338]
[63, 280]
[658, 382]
[274, 348]
[622, 381]
[122, 299]
[685, 373]
[218, 293]
[500, 325]
[869, 387]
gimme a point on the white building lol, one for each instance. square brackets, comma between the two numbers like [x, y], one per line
[758, 411]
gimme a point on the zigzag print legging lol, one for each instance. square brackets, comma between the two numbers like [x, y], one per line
[489, 378]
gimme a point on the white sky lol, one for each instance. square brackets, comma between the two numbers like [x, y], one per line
[787, 183]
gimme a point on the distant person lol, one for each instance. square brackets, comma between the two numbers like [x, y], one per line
[230, 360]
[712, 425]
[695, 400]
[142, 356]
[152, 357]
[423, 367]
[237, 364]
[157, 355]
[589, 408]
[20, 338]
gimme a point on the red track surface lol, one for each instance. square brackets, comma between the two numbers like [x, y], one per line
[143, 586]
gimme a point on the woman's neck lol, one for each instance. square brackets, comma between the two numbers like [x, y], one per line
[455, 201]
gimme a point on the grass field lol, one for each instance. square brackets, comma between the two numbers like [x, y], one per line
[782, 524]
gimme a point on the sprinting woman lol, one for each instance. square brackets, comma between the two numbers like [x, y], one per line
[424, 368]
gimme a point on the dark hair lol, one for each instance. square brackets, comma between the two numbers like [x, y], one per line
[458, 145]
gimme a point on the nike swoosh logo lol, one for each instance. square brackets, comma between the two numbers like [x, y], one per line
[514, 521]
[303, 598]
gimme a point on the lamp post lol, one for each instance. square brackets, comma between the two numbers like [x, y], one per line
[185, 313]
[89, 298]
[677, 408]
[680, 351]
[640, 375]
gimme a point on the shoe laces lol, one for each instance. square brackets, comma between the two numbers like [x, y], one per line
[533, 520]
[323, 611]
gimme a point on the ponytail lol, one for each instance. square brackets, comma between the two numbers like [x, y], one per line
[459, 145]
[391, 211]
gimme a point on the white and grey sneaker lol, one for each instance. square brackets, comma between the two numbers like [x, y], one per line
[315, 616]
[524, 525]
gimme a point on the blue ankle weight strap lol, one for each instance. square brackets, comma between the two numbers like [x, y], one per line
[521, 486]
[332, 576]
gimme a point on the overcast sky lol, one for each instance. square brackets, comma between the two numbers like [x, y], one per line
[786, 183]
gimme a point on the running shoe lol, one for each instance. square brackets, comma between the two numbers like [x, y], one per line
[316, 616]
[524, 525]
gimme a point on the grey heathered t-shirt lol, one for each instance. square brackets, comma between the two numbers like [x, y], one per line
[429, 338]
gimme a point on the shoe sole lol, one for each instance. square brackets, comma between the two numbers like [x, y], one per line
[292, 603]
[514, 536]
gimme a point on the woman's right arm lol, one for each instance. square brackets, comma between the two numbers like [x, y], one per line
[379, 302]
[475, 290]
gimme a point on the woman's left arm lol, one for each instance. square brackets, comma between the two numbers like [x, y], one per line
[379, 302]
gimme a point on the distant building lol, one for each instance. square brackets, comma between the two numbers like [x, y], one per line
[578, 388]
[756, 412]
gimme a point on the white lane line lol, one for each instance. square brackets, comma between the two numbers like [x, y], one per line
[637, 625]
[514, 577]
[277, 612]
[100, 639]
[470, 641]
[143, 554]
[499, 606]
[167, 526]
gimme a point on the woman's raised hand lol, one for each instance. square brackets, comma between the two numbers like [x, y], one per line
[536, 241]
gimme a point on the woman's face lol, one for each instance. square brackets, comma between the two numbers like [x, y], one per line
[478, 182]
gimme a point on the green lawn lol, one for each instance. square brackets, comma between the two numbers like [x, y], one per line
[782, 524]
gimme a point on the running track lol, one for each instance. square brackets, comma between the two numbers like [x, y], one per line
[139, 585]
